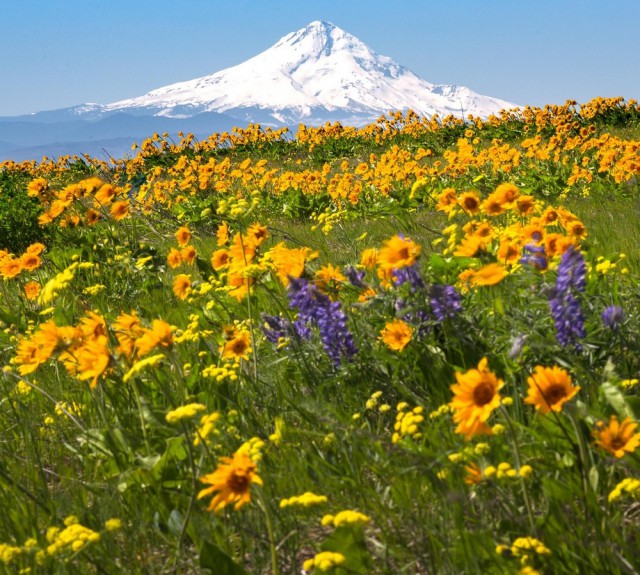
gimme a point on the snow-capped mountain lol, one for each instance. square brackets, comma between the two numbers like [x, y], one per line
[317, 73]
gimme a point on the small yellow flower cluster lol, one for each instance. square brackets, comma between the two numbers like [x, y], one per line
[141, 364]
[324, 561]
[94, 289]
[527, 548]
[307, 499]
[64, 408]
[372, 403]
[184, 412]
[407, 422]
[22, 388]
[234, 207]
[629, 485]
[442, 410]
[604, 266]
[253, 448]
[505, 471]
[327, 219]
[9, 552]
[206, 428]
[276, 436]
[57, 284]
[629, 383]
[220, 373]
[73, 538]
[113, 524]
[346, 517]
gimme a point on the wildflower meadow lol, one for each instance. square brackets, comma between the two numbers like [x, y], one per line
[410, 347]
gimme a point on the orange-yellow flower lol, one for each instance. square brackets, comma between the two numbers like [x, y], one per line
[37, 187]
[127, 329]
[222, 234]
[30, 261]
[120, 210]
[398, 252]
[288, 262]
[396, 334]
[258, 233]
[31, 290]
[92, 217]
[618, 438]
[475, 397]
[369, 259]
[525, 205]
[219, 259]
[188, 254]
[488, 275]
[550, 388]
[183, 235]
[10, 268]
[329, 275]
[36, 350]
[506, 193]
[470, 246]
[105, 194]
[447, 200]
[36, 248]
[238, 346]
[232, 480]
[470, 202]
[160, 335]
[92, 360]
[577, 230]
[473, 474]
[182, 286]
[174, 259]
[93, 326]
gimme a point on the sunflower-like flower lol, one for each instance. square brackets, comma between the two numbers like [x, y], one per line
[488, 275]
[182, 286]
[550, 388]
[183, 236]
[232, 480]
[475, 397]
[237, 346]
[398, 252]
[120, 210]
[617, 438]
[396, 334]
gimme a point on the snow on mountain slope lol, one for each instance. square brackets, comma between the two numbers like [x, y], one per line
[319, 72]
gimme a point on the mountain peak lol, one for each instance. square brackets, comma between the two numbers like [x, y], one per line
[317, 73]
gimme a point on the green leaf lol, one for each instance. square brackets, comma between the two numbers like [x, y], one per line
[174, 523]
[616, 399]
[217, 562]
[594, 478]
[350, 542]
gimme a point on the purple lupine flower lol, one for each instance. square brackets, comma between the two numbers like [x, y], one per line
[355, 277]
[275, 327]
[409, 274]
[535, 257]
[565, 307]
[420, 319]
[613, 316]
[517, 345]
[315, 308]
[572, 271]
[445, 301]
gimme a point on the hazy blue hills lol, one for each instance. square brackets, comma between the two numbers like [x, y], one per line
[55, 134]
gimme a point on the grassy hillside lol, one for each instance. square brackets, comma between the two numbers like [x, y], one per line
[404, 348]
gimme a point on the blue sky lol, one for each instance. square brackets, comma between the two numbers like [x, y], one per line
[58, 54]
